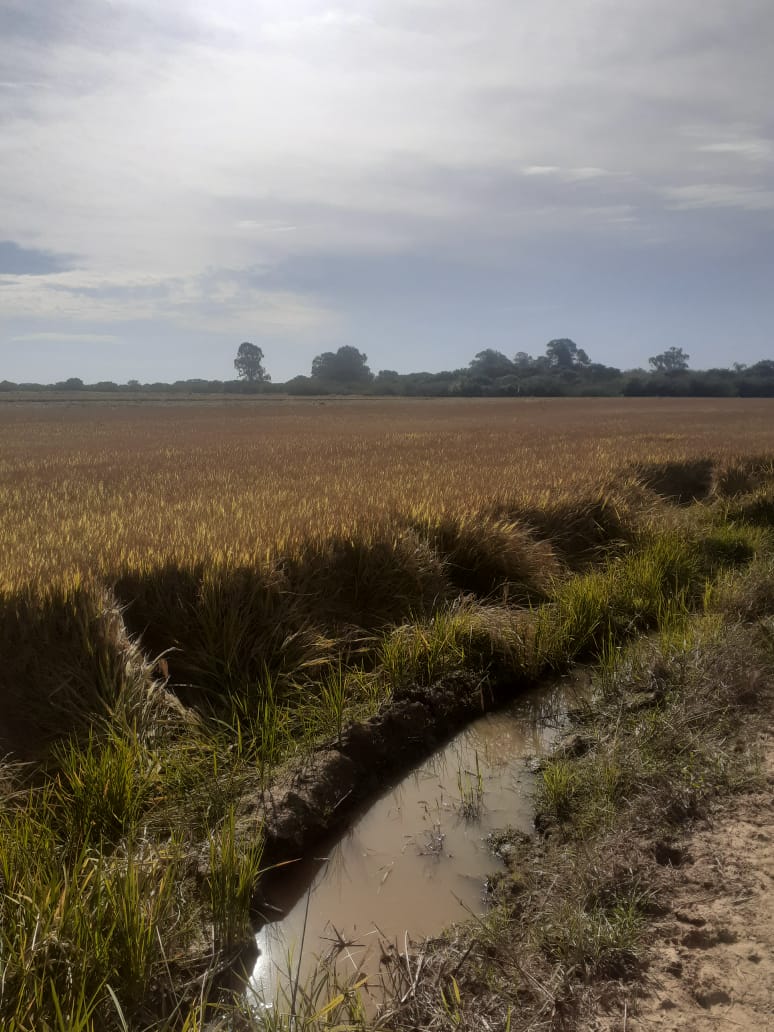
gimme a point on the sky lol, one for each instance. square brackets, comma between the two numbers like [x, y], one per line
[421, 179]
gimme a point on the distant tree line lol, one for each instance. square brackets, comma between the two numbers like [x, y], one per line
[563, 370]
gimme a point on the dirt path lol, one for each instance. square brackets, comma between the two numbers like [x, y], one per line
[712, 962]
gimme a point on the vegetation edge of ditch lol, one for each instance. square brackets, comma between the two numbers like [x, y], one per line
[565, 944]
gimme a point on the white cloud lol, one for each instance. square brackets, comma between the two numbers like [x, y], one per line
[222, 303]
[133, 155]
[753, 149]
[720, 195]
[569, 175]
[65, 338]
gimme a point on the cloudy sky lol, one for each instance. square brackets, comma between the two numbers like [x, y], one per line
[419, 178]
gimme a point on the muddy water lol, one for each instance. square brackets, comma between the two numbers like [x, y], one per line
[416, 859]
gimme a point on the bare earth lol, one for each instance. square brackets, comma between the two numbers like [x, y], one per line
[712, 960]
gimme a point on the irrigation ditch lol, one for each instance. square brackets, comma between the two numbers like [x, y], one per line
[385, 833]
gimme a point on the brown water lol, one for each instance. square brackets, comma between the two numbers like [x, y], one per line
[417, 859]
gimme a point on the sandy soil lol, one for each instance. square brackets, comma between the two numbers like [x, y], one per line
[712, 960]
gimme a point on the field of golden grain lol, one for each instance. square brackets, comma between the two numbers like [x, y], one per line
[102, 489]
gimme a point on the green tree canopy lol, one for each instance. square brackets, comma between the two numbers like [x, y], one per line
[347, 365]
[564, 353]
[491, 364]
[249, 364]
[673, 360]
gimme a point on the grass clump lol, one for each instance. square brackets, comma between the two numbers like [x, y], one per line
[590, 940]
[741, 476]
[560, 787]
[219, 627]
[77, 928]
[633, 593]
[730, 545]
[484, 554]
[748, 597]
[755, 509]
[664, 731]
[233, 873]
[681, 482]
[465, 636]
[470, 786]
[69, 662]
[259, 728]
[589, 527]
[102, 788]
[367, 580]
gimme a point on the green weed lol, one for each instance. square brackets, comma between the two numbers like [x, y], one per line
[102, 788]
[591, 939]
[470, 786]
[559, 787]
[234, 870]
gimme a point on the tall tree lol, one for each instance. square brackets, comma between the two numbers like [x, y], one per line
[673, 360]
[491, 364]
[564, 353]
[347, 365]
[249, 364]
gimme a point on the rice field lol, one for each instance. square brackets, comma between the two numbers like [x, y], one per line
[193, 595]
[98, 489]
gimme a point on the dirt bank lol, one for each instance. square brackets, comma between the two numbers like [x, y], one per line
[711, 965]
